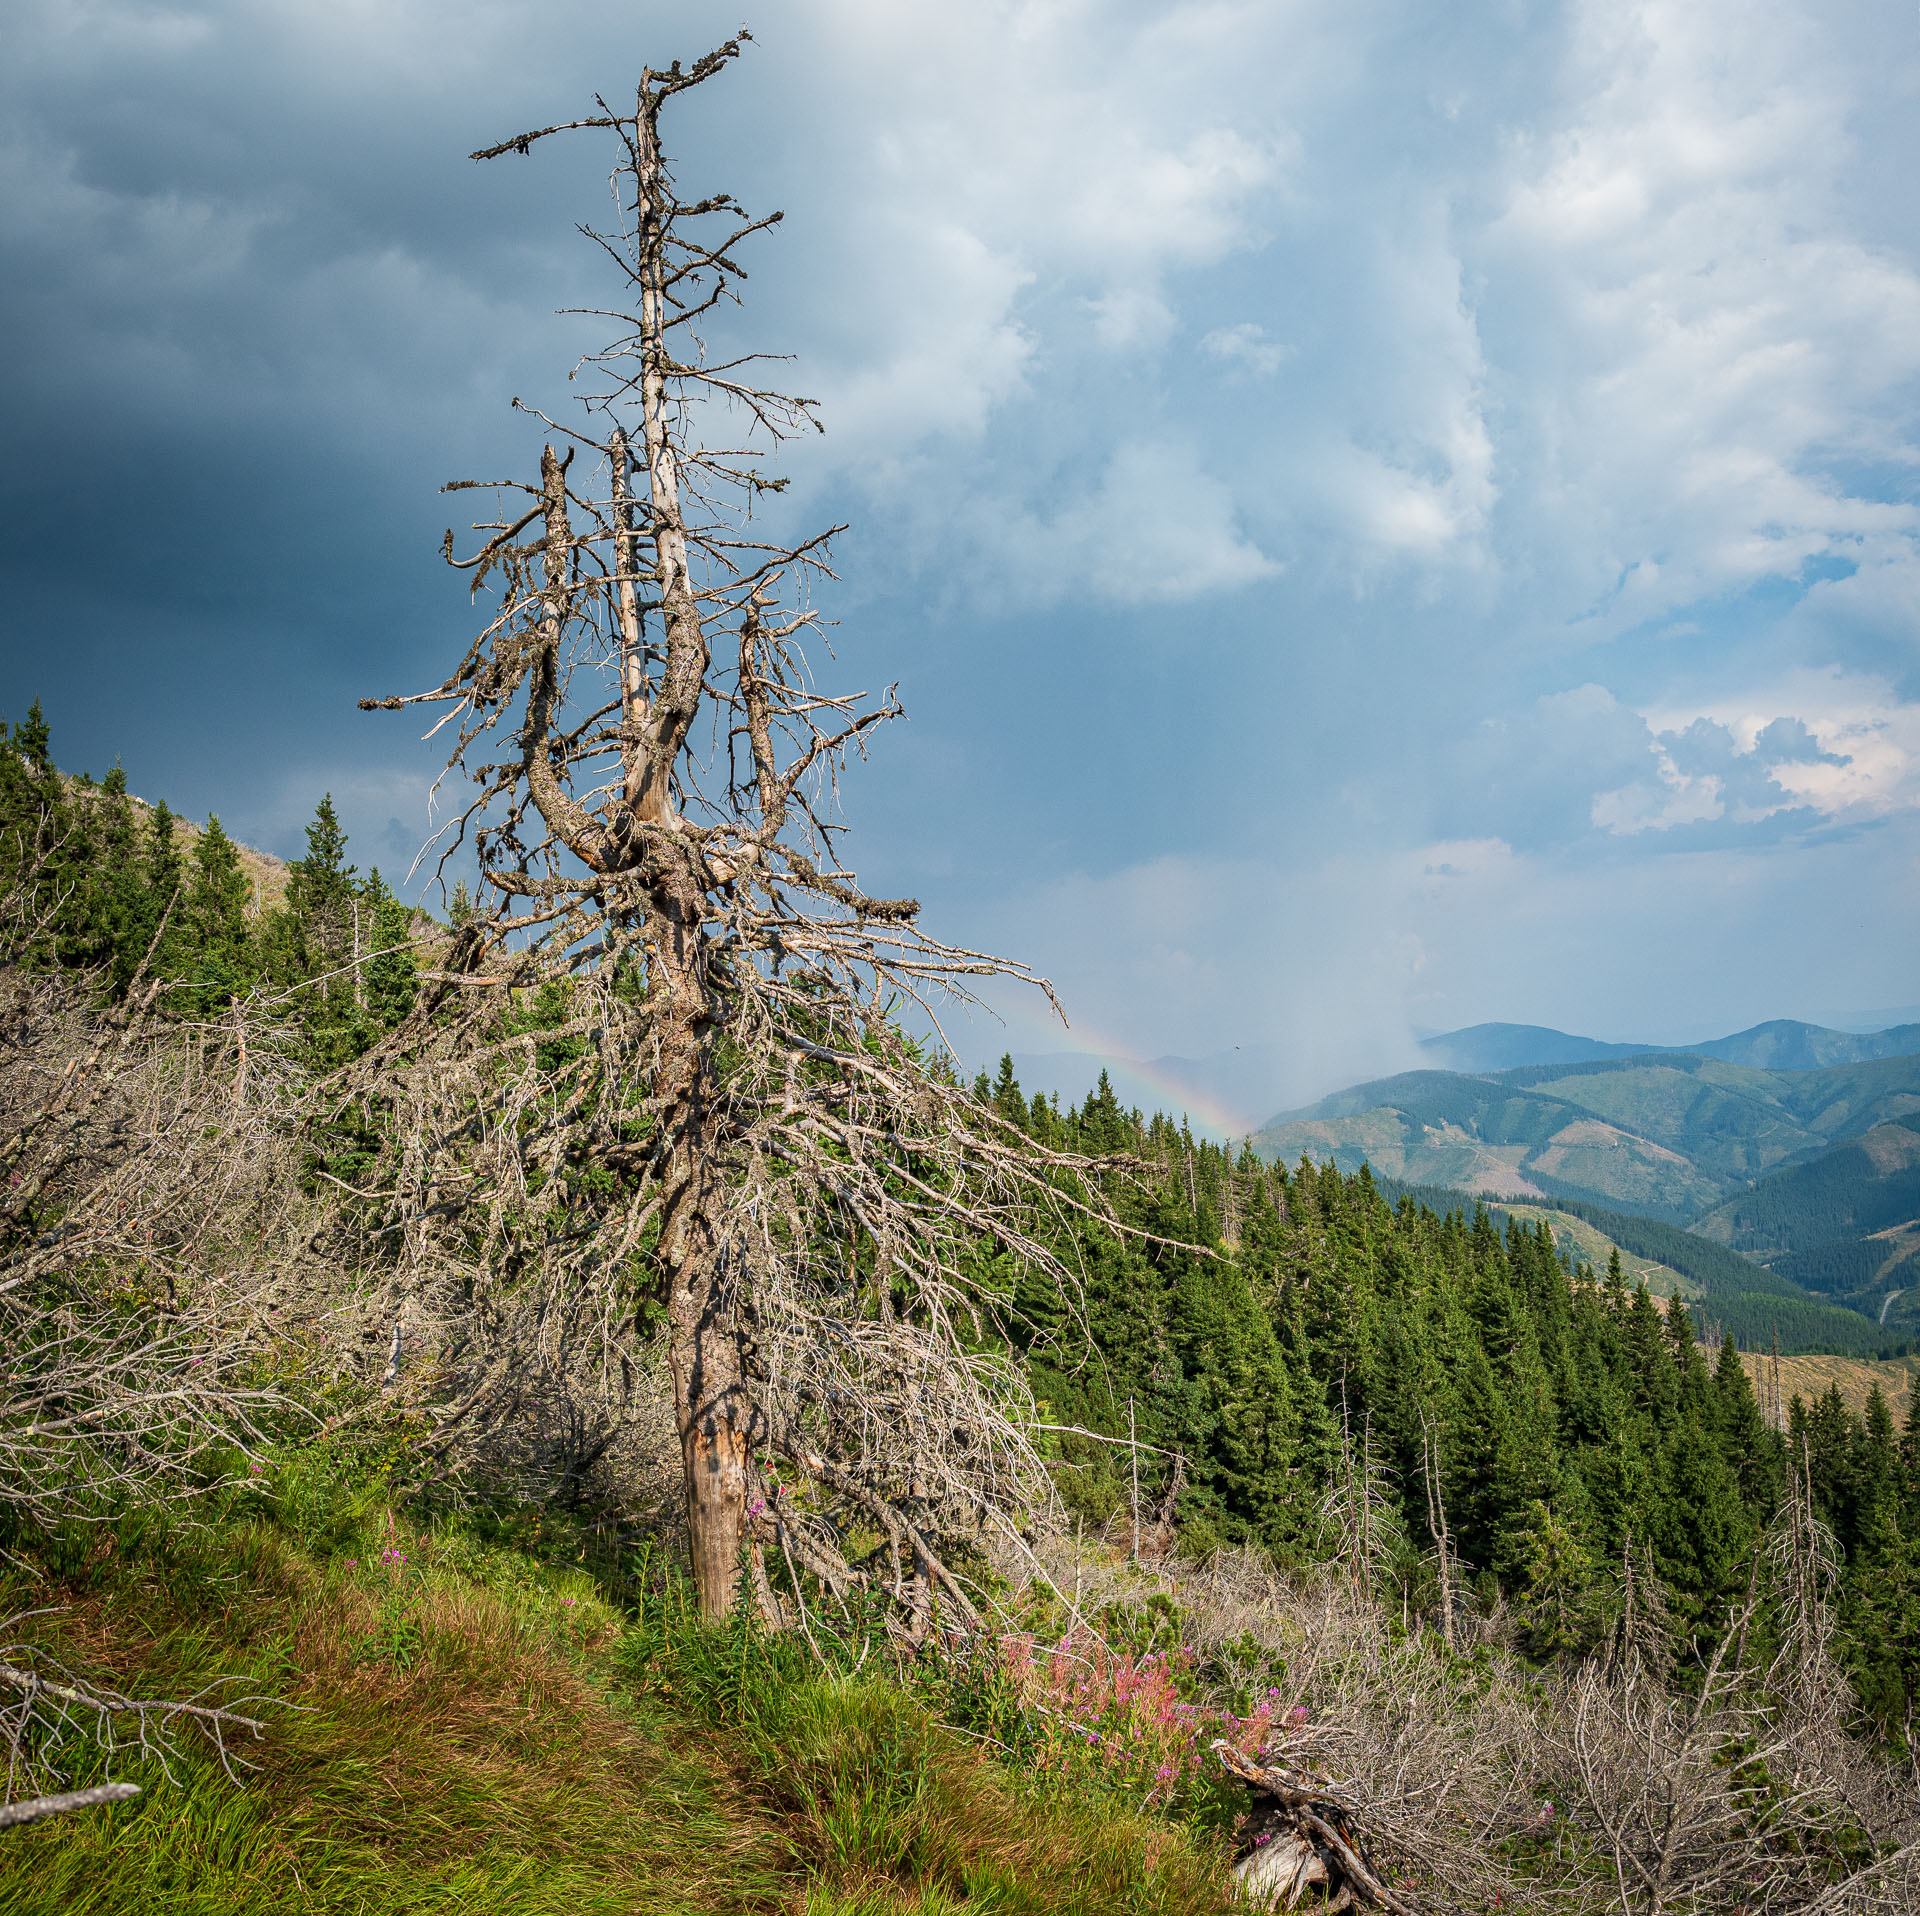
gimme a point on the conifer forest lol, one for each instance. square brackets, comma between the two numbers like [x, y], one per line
[568, 1394]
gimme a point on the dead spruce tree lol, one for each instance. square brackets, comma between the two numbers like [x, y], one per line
[665, 1068]
[151, 1301]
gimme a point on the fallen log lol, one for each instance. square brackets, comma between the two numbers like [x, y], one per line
[1303, 1834]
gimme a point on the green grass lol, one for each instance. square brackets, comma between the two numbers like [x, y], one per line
[480, 1729]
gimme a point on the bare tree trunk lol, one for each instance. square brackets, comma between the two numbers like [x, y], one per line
[726, 1060]
[709, 1386]
[710, 1402]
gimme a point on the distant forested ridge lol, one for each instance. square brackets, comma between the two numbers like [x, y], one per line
[1790, 1194]
[1668, 1137]
[1758, 1307]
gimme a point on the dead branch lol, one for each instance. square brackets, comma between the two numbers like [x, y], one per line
[1320, 1844]
[14, 1814]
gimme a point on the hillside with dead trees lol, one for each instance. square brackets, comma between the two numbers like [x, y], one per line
[575, 1397]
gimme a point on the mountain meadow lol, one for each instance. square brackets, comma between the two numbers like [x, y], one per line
[569, 1396]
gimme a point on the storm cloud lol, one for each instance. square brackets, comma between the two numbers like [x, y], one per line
[1381, 518]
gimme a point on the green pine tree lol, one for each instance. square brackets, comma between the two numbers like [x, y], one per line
[391, 975]
[217, 897]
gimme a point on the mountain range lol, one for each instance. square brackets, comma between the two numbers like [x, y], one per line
[1794, 1146]
[1231, 1093]
[1781, 1044]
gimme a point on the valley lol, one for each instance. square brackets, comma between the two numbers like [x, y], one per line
[1771, 1177]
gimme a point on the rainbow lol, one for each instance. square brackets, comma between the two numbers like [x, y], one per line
[1152, 1086]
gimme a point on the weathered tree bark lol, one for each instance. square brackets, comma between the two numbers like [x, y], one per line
[709, 1387]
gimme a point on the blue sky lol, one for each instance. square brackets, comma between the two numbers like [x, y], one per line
[1382, 516]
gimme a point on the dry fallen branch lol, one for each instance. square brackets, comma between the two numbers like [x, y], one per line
[1305, 1833]
[30, 1811]
[44, 1706]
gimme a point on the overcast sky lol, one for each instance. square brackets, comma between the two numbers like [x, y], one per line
[1383, 516]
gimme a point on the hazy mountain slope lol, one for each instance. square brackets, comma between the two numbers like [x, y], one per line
[1227, 1093]
[1677, 1136]
[1445, 1128]
[1673, 1134]
[1502, 1115]
[1785, 1044]
[1844, 1101]
[1781, 1044]
[1497, 1047]
[1731, 1122]
[1712, 1110]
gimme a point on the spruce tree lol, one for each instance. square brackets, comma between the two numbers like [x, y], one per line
[1559, 1611]
[320, 886]
[163, 885]
[1754, 1451]
[122, 886]
[218, 894]
[1007, 1098]
[319, 938]
[391, 974]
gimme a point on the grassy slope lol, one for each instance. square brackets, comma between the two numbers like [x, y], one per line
[477, 1731]
[1443, 1128]
[1808, 1377]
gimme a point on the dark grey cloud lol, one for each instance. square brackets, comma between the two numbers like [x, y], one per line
[1308, 464]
